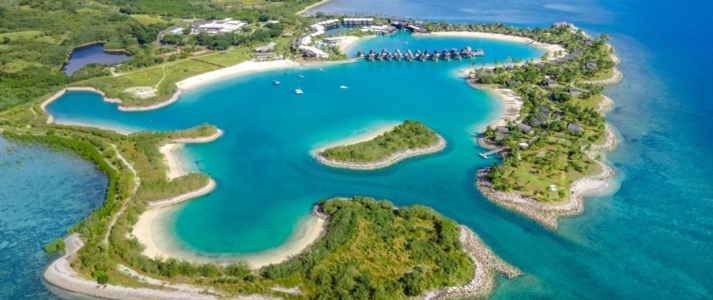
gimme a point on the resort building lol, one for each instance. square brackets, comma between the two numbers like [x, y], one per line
[266, 48]
[574, 92]
[334, 40]
[358, 21]
[313, 52]
[177, 30]
[574, 128]
[525, 128]
[222, 26]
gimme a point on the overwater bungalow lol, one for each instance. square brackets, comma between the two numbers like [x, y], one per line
[479, 52]
[360, 54]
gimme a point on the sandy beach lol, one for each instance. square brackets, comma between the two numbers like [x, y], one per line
[356, 137]
[241, 68]
[550, 48]
[312, 6]
[512, 102]
[177, 166]
[150, 234]
[350, 41]
[176, 162]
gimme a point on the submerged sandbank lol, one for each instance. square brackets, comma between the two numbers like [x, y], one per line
[153, 232]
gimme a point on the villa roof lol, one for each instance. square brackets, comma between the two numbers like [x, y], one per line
[574, 127]
[573, 91]
[524, 128]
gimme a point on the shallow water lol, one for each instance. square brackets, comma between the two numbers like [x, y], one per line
[42, 193]
[95, 53]
[267, 179]
[652, 239]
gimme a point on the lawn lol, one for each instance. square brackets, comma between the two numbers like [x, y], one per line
[602, 75]
[148, 20]
[21, 34]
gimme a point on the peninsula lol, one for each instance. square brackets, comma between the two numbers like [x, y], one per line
[403, 141]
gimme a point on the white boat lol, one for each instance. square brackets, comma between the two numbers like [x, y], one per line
[276, 82]
[299, 92]
[344, 87]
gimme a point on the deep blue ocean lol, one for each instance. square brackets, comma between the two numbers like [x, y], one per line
[651, 239]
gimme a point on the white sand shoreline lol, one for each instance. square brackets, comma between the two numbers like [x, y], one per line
[175, 160]
[355, 139]
[550, 48]
[309, 231]
[350, 41]
[511, 101]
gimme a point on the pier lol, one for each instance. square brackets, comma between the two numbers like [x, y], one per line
[489, 153]
[436, 55]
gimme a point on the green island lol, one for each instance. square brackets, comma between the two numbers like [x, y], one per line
[552, 150]
[370, 248]
[408, 139]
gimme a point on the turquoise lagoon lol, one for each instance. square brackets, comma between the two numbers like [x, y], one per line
[268, 179]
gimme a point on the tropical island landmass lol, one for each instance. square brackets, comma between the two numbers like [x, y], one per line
[403, 141]
[551, 146]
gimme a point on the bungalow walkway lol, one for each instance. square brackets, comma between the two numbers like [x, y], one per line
[486, 154]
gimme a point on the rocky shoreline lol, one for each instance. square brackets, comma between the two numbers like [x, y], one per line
[548, 215]
[487, 265]
[616, 78]
[388, 161]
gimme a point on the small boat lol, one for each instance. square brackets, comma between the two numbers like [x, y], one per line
[299, 92]
[301, 76]
[276, 82]
[344, 87]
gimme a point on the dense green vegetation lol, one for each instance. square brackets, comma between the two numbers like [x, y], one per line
[37, 37]
[374, 251]
[99, 258]
[409, 135]
[54, 246]
[560, 108]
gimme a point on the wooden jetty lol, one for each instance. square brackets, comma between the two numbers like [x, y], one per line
[489, 153]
